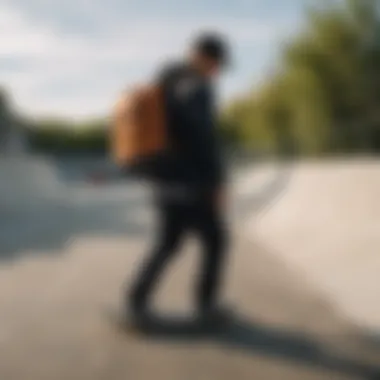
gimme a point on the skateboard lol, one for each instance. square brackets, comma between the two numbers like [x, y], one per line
[161, 326]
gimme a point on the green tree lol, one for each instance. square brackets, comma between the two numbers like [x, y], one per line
[327, 88]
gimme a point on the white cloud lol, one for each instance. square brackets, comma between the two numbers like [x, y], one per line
[80, 73]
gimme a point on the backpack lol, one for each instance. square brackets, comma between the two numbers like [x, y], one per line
[138, 138]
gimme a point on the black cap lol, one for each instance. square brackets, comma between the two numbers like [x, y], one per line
[214, 46]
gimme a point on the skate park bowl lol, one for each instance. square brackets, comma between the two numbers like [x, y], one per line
[326, 225]
[304, 258]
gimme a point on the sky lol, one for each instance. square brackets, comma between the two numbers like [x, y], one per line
[72, 58]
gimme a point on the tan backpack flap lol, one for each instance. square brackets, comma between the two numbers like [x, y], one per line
[121, 143]
[139, 126]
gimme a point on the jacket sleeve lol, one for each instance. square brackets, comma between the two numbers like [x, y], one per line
[198, 130]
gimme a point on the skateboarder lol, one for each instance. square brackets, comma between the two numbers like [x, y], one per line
[191, 183]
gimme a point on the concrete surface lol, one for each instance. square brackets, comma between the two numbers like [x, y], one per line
[64, 260]
[327, 227]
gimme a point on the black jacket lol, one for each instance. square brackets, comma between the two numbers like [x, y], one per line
[195, 157]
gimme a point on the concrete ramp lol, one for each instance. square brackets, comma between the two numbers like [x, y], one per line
[326, 226]
[24, 180]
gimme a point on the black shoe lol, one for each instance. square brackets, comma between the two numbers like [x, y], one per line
[136, 321]
[140, 316]
[219, 317]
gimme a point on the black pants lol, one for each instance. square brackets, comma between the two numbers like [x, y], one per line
[176, 218]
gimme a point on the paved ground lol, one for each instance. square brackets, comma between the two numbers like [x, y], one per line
[63, 265]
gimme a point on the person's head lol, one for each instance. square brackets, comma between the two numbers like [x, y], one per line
[210, 54]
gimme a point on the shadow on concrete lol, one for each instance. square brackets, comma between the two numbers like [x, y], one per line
[294, 347]
[256, 339]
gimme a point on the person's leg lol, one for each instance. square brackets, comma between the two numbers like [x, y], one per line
[172, 225]
[212, 231]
